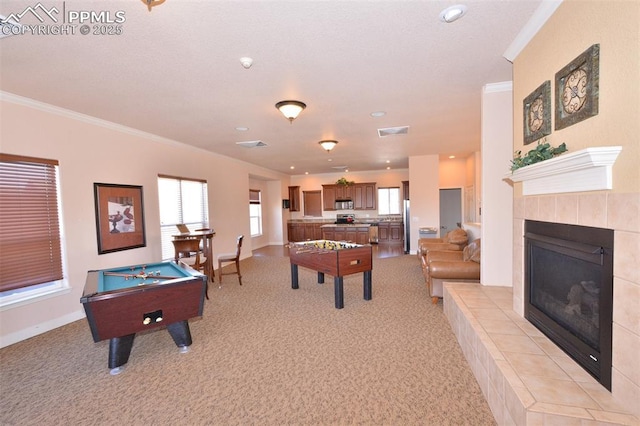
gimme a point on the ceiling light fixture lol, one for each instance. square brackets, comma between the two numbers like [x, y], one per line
[152, 3]
[453, 13]
[328, 145]
[291, 109]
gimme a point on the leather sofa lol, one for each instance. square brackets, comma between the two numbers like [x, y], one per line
[451, 265]
[456, 239]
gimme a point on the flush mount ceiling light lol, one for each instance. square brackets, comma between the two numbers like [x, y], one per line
[328, 145]
[152, 3]
[290, 109]
[453, 13]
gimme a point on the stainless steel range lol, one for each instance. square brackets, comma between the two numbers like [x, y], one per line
[345, 218]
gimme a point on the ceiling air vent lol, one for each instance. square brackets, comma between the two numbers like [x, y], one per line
[402, 130]
[251, 144]
[339, 167]
[8, 27]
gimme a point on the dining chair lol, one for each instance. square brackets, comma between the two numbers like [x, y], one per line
[229, 258]
[188, 252]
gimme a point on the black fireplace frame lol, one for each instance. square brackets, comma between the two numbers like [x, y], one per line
[589, 244]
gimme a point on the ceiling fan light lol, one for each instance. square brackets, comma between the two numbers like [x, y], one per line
[328, 145]
[290, 109]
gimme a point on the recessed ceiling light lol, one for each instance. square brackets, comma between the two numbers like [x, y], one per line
[388, 161]
[292, 167]
[378, 114]
[242, 129]
[388, 167]
[246, 62]
[453, 13]
[452, 157]
[306, 173]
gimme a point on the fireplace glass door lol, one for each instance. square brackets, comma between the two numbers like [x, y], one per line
[569, 290]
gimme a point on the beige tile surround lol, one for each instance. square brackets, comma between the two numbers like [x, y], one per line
[520, 396]
[526, 379]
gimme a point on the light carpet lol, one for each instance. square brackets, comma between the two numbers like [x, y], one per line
[262, 354]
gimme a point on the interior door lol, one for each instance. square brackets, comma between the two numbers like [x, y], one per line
[450, 209]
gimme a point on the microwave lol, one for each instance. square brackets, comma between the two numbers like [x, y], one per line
[344, 205]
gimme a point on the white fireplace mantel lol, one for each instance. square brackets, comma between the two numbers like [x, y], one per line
[586, 170]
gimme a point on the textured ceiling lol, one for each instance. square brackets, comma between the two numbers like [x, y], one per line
[175, 72]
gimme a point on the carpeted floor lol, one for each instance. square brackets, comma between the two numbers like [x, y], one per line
[263, 354]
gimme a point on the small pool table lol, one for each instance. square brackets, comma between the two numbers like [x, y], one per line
[121, 302]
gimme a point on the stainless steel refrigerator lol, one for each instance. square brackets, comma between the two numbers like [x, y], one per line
[406, 220]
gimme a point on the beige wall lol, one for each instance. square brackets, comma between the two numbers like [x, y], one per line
[575, 26]
[93, 151]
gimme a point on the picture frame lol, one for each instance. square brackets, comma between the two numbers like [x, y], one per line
[119, 217]
[537, 113]
[577, 89]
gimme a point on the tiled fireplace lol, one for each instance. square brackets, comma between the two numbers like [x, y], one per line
[526, 378]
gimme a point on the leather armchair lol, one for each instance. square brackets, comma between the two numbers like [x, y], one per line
[461, 266]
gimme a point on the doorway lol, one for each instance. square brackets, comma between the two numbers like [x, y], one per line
[450, 210]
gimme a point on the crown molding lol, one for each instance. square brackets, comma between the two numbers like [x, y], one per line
[52, 109]
[503, 86]
[531, 28]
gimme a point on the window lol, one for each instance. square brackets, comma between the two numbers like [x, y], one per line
[255, 212]
[29, 226]
[388, 201]
[181, 200]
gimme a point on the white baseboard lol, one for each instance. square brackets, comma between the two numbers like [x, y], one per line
[26, 333]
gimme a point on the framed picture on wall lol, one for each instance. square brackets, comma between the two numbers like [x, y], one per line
[577, 86]
[119, 217]
[537, 113]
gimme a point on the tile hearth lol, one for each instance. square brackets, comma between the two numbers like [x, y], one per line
[526, 379]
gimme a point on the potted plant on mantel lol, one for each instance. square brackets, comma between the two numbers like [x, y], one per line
[344, 182]
[544, 151]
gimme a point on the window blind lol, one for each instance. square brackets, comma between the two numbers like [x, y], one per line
[254, 196]
[30, 249]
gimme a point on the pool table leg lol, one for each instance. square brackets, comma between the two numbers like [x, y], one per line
[180, 333]
[338, 288]
[119, 351]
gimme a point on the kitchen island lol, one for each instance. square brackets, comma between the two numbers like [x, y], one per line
[356, 232]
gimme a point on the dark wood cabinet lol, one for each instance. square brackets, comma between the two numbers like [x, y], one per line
[363, 195]
[328, 197]
[390, 232]
[396, 232]
[294, 198]
[304, 231]
[355, 234]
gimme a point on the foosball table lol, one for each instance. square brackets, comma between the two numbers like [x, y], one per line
[335, 258]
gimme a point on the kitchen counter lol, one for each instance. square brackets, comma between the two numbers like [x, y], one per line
[346, 225]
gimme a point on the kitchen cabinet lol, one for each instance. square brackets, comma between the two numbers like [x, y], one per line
[303, 231]
[329, 197]
[363, 195]
[352, 233]
[390, 232]
[294, 198]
